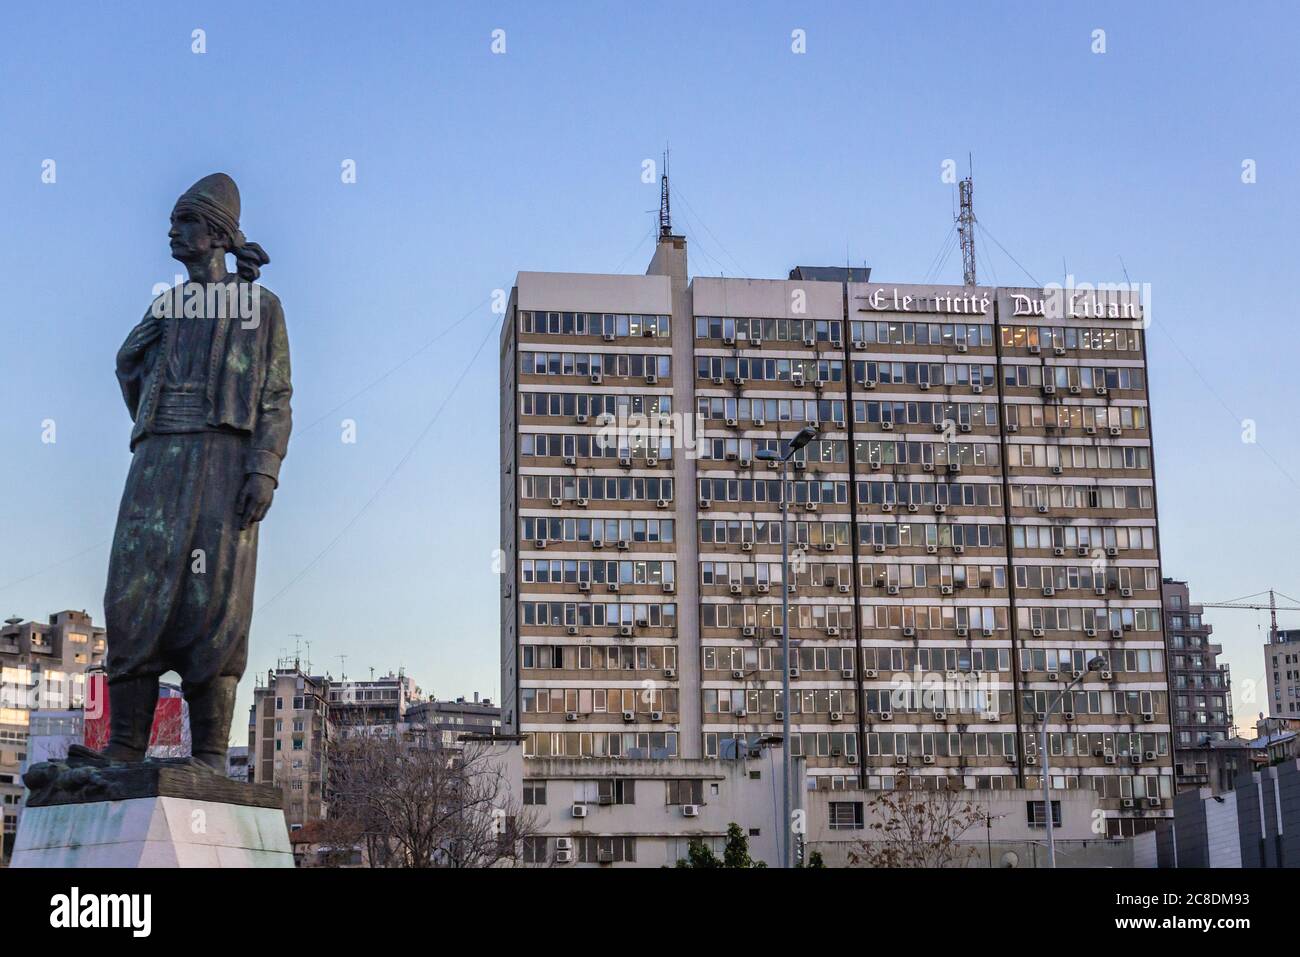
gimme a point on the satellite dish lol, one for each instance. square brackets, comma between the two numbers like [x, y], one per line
[1010, 859]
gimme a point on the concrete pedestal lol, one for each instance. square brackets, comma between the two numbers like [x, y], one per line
[152, 832]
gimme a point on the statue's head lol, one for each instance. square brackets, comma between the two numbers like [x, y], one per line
[206, 218]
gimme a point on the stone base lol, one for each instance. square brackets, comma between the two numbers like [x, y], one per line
[152, 832]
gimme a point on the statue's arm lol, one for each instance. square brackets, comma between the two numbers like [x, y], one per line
[133, 359]
[275, 417]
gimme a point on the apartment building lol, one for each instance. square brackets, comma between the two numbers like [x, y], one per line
[1282, 672]
[1200, 687]
[374, 706]
[448, 721]
[288, 739]
[42, 666]
[974, 523]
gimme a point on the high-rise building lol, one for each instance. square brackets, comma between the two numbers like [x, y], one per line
[1282, 673]
[288, 740]
[974, 524]
[42, 666]
[373, 706]
[1200, 687]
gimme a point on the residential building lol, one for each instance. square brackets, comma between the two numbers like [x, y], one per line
[42, 667]
[237, 763]
[449, 720]
[289, 738]
[374, 706]
[1199, 686]
[975, 522]
[1282, 673]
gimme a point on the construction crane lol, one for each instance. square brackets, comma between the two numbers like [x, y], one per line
[1272, 607]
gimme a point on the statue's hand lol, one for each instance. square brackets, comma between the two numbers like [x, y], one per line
[255, 498]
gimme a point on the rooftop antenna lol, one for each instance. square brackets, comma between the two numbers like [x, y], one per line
[665, 208]
[966, 225]
[343, 662]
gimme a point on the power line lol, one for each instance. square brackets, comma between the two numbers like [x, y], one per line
[388, 479]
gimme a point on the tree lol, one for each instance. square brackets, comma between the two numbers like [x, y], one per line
[734, 855]
[917, 829]
[424, 805]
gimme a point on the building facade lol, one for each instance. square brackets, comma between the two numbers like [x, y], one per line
[1199, 687]
[1282, 673]
[288, 740]
[975, 521]
[449, 720]
[42, 667]
[375, 706]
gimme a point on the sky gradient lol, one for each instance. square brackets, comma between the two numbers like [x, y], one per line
[472, 166]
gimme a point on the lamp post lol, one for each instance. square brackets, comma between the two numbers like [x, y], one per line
[1098, 663]
[806, 435]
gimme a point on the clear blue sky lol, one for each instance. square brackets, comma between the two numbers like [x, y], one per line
[472, 166]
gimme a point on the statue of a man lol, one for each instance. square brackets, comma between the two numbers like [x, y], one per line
[205, 376]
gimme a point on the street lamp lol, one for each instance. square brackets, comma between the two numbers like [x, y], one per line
[1098, 663]
[806, 435]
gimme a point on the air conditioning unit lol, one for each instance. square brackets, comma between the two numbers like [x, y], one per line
[962, 347]
[746, 462]
[1101, 390]
[777, 631]
[923, 386]
[1127, 802]
[1105, 675]
[573, 629]
[927, 466]
[827, 546]
[746, 546]
[844, 589]
[832, 631]
[1090, 429]
[1048, 590]
[670, 672]
[747, 631]
[581, 418]
[954, 467]
[909, 632]
[1114, 430]
[837, 716]
[737, 674]
[1117, 632]
[1153, 802]
[1058, 550]
[1082, 550]
[735, 588]
[886, 716]
[625, 631]
[705, 503]
[690, 810]
[581, 502]
[651, 461]
[629, 716]
[1057, 470]
[900, 759]
[930, 549]
[1067, 715]
[656, 715]
[871, 673]
[778, 716]
[1148, 716]
[579, 810]
[612, 586]
[651, 378]
[1075, 390]
[940, 714]
[810, 506]
[1053, 676]
[887, 426]
[732, 423]
[1049, 389]
[1126, 592]
[762, 588]
[1013, 427]
[940, 508]
[868, 383]
[1109, 759]
[878, 548]
[945, 589]
[540, 543]
[1059, 350]
[1031, 759]
[759, 422]
[891, 590]
[962, 631]
[1042, 510]
[563, 857]
[1038, 633]
[1135, 758]
[794, 672]
[1111, 551]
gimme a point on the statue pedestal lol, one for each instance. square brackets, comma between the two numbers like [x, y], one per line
[152, 814]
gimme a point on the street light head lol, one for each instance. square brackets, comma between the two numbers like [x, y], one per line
[1097, 664]
[806, 435]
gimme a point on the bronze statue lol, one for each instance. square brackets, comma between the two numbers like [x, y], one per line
[205, 376]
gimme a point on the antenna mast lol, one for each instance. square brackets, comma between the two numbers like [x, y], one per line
[665, 209]
[966, 228]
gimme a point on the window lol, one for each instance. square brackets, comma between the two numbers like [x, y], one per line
[845, 815]
[534, 792]
[534, 849]
[1035, 813]
[616, 791]
[689, 791]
